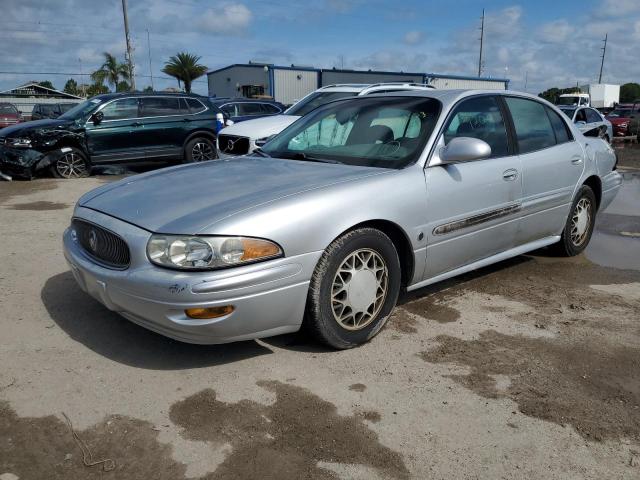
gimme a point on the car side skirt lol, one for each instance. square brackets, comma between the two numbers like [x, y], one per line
[513, 252]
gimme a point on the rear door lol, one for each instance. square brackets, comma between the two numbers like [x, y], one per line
[473, 207]
[117, 137]
[551, 161]
[166, 125]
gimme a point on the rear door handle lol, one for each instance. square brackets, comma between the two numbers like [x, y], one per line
[136, 124]
[510, 175]
[576, 160]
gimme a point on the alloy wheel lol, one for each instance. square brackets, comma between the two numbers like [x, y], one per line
[71, 165]
[581, 221]
[359, 289]
[202, 151]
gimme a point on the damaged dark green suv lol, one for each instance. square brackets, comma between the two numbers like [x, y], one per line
[112, 129]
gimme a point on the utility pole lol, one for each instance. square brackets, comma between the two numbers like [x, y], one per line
[150, 69]
[526, 79]
[481, 41]
[84, 88]
[132, 78]
[604, 51]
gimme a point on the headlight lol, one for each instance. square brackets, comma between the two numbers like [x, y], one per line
[18, 142]
[207, 253]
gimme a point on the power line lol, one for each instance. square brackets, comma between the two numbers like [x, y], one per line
[76, 74]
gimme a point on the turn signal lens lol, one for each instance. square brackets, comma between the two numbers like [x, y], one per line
[210, 312]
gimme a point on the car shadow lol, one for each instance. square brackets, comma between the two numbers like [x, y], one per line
[108, 334]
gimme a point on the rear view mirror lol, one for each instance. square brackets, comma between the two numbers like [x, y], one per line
[464, 149]
[97, 117]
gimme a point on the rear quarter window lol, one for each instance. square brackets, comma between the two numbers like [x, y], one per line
[533, 127]
[195, 106]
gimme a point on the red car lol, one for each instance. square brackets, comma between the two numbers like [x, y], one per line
[9, 115]
[625, 120]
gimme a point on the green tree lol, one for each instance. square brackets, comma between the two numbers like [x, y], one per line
[629, 92]
[553, 93]
[71, 87]
[96, 89]
[184, 67]
[148, 88]
[123, 86]
[47, 84]
[111, 71]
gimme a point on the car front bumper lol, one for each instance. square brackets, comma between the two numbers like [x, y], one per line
[24, 162]
[268, 298]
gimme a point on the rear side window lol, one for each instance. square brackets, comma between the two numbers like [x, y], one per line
[559, 127]
[160, 106]
[229, 109]
[195, 106]
[268, 108]
[249, 109]
[481, 118]
[593, 116]
[533, 127]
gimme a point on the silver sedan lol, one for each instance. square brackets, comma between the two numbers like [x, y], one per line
[335, 215]
[590, 122]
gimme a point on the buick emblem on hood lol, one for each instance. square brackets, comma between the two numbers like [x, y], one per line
[93, 240]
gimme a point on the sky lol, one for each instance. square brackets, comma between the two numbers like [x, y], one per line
[536, 44]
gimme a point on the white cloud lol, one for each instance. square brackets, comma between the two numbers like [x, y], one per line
[229, 19]
[413, 37]
[558, 31]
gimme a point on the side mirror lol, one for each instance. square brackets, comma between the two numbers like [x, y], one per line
[96, 118]
[464, 149]
[580, 123]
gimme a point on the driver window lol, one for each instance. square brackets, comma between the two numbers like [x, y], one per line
[479, 118]
[580, 116]
[125, 108]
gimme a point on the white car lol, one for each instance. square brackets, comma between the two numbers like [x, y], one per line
[244, 137]
[590, 122]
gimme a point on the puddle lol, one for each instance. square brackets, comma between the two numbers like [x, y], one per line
[38, 206]
[616, 239]
[433, 307]
[286, 439]
[590, 384]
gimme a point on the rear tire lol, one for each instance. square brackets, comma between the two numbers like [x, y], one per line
[199, 149]
[71, 164]
[579, 226]
[353, 289]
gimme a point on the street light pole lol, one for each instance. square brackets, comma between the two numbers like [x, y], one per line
[132, 78]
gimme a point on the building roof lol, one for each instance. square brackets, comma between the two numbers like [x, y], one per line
[33, 89]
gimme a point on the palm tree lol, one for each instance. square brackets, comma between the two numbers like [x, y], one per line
[184, 66]
[111, 71]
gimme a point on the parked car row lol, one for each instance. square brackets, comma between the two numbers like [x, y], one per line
[590, 122]
[9, 115]
[625, 119]
[323, 225]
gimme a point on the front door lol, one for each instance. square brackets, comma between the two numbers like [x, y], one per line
[473, 207]
[117, 137]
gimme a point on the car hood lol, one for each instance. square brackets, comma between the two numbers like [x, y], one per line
[260, 127]
[35, 126]
[188, 199]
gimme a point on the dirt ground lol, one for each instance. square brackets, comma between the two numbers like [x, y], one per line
[526, 369]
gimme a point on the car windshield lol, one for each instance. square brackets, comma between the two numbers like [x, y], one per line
[81, 110]
[65, 107]
[620, 113]
[316, 99]
[385, 132]
[568, 112]
[7, 109]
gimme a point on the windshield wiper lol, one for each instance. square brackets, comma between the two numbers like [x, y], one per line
[258, 151]
[307, 158]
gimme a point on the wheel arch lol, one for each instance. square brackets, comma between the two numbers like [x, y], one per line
[400, 241]
[200, 133]
[595, 184]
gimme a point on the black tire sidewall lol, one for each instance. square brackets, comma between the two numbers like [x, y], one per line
[326, 325]
[80, 153]
[569, 248]
[188, 149]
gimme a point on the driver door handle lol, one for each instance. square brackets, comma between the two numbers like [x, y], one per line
[510, 175]
[576, 159]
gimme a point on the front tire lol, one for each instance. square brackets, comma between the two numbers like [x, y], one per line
[199, 149]
[579, 226]
[353, 289]
[71, 164]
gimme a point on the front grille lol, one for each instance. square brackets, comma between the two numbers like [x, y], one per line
[104, 246]
[232, 145]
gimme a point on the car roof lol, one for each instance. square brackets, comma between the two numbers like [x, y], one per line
[111, 96]
[363, 88]
[218, 100]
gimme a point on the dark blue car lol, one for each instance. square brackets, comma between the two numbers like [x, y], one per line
[240, 109]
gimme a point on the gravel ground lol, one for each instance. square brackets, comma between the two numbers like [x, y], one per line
[526, 369]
